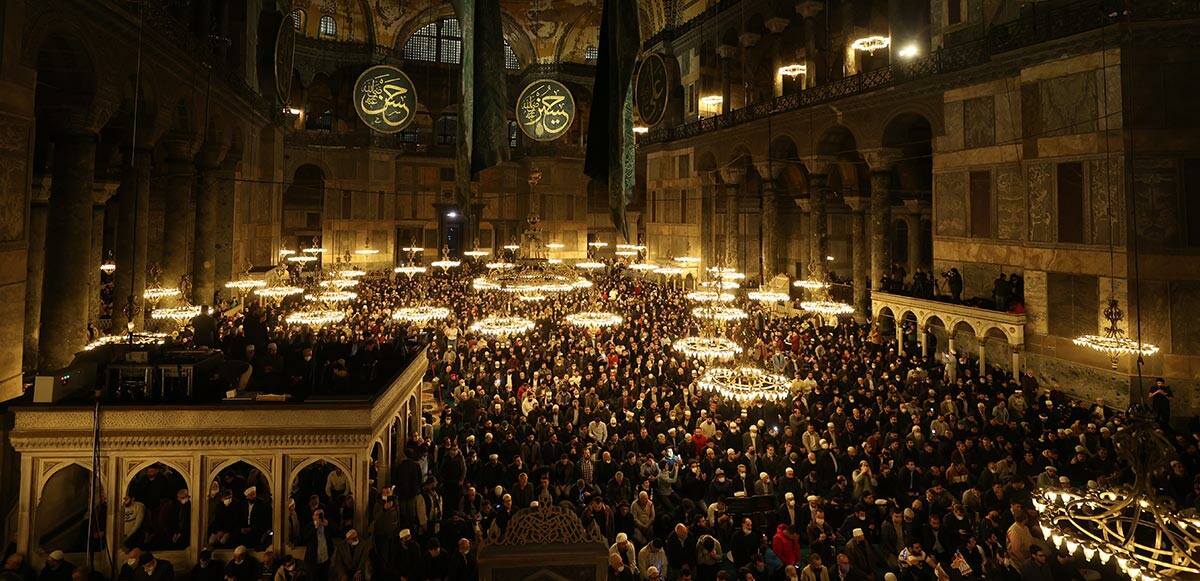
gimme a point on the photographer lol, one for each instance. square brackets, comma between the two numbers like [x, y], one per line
[955, 281]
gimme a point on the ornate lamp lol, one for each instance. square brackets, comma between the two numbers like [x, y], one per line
[1114, 342]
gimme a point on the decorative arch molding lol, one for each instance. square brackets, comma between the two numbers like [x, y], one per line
[215, 464]
[47, 468]
[928, 111]
[297, 162]
[130, 467]
[980, 321]
[296, 464]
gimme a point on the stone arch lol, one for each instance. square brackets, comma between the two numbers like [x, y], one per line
[259, 476]
[577, 36]
[848, 177]
[157, 499]
[68, 79]
[303, 205]
[223, 465]
[60, 523]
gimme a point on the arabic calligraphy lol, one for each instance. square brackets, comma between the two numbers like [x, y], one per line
[651, 90]
[385, 99]
[545, 110]
[285, 52]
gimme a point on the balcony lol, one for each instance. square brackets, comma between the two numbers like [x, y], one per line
[925, 313]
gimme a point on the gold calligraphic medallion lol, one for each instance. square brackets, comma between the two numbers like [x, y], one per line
[650, 90]
[285, 54]
[385, 99]
[545, 110]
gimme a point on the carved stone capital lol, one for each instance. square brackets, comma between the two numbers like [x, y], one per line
[749, 39]
[104, 190]
[181, 145]
[805, 204]
[727, 51]
[882, 159]
[858, 204]
[733, 176]
[821, 165]
[769, 171]
[809, 8]
[777, 24]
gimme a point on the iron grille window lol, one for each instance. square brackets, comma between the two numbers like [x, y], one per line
[328, 26]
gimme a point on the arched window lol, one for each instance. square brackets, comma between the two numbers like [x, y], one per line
[438, 42]
[510, 57]
[512, 134]
[328, 26]
[298, 18]
[591, 53]
[446, 128]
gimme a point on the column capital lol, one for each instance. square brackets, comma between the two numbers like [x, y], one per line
[749, 39]
[769, 171]
[882, 159]
[917, 207]
[727, 51]
[819, 164]
[181, 146]
[212, 153]
[809, 8]
[777, 24]
[733, 176]
[104, 190]
[858, 204]
[805, 204]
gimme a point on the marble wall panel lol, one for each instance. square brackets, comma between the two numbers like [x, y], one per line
[1036, 302]
[1107, 202]
[1185, 333]
[1155, 298]
[1087, 383]
[950, 205]
[1071, 301]
[979, 122]
[1156, 193]
[14, 177]
[1069, 104]
[1039, 183]
[953, 138]
[1010, 204]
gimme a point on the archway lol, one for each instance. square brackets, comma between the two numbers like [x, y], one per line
[936, 335]
[303, 207]
[61, 519]
[912, 185]
[326, 486]
[156, 509]
[240, 507]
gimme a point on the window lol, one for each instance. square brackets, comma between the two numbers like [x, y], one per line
[437, 42]
[954, 12]
[410, 134]
[328, 26]
[591, 53]
[981, 204]
[322, 122]
[298, 20]
[512, 134]
[510, 57]
[447, 130]
[1070, 203]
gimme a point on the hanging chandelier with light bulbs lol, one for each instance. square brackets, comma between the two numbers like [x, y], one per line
[710, 297]
[719, 313]
[177, 314]
[315, 317]
[421, 314]
[768, 296]
[707, 348]
[594, 319]
[744, 384]
[245, 284]
[1114, 342]
[502, 326]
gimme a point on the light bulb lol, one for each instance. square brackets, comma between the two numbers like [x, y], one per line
[1072, 546]
[1122, 562]
[1104, 555]
[1089, 552]
[1045, 531]
[1057, 539]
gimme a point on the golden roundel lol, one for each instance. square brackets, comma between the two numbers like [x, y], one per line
[545, 110]
[385, 99]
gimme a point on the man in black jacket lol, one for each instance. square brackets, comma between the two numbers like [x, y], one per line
[152, 569]
[318, 544]
[462, 564]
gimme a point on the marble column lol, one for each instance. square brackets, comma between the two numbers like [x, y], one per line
[982, 355]
[769, 220]
[733, 178]
[204, 251]
[177, 236]
[103, 191]
[916, 235]
[880, 162]
[818, 180]
[708, 219]
[726, 53]
[776, 25]
[69, 217]
[226, 270]
[858, 242]
[35, 269]
[809, 9]
[132, 237]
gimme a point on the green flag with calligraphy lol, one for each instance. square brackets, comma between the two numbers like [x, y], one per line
[610, 137]
[482, 127]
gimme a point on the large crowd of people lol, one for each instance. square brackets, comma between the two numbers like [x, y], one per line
[877, 466]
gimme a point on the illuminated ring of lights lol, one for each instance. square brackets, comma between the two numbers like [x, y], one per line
[286, 252]
[175, 313]
[315, 250]
[500, 265]
[531, 298]
[871, 43]
[716, 313]
[722, 273]
[1115, 347]
[554, 260]
[670, 271]
[512, 246]
[278, 292]
[532, 279]
[594, 319]
[589, 265]
[644, 266]
[339, 283]
[245, 284]
[810, 284]
[409, 271]
[556, 246]
[502, 326]
[366, 251]
[445, 264]
[688, 259]
[108, 268]
[315, 317]
[721, 284]
[707, 348]
[158, 292]
[351, 273]
[597, 244]
[332, 296]
[302, 258]
[827, 308]
[420, 314]
[710, 297]
[626, 253]
[413, 249]
[475, 253]
[138, 339]
[768, 296]
[745, 384]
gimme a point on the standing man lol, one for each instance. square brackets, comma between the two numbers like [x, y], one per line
[1160, 401]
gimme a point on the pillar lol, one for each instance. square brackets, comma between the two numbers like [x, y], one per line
[726, 52]
[35, 269]
[982, 355]
[880, 162]
[204, 252]
[708, 219]
[769, 221]
[733, 178]
[226, 188]
[809, 9]
[858, 242]
[69, 217]
[923, 340]
[1016, 359]
[177, 235]
[818, 173]
[132, 237]
[914, 243]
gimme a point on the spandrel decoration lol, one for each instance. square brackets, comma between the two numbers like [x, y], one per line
[545, 110]
[385, 99]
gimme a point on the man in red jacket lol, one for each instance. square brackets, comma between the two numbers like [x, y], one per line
[786, 545]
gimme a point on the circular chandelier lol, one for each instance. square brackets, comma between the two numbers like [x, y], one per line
[670, 271]
[827, 308]
[1146, 535]
[179, 314]
[108, 267]
[719, 313]
[315, 250]
[710, 297]
[871, 43]
[744, 384]
[350, 273]
[707, 348]
[315, 317]
[811, 284]
[555, 245]
[597, 244]
[286, 252]
[134, 338]
[333, 296]
[422, 314]
[723, 273]
[531, 297]
[626, 253]
[532, 277]
[688, 259]
[446, 264]
[500, 265]
[644, 266]
[721, 284]
[499, 326]
[413, 249]
[155, 293]
[409, 270]
[339, 283]
[367, 251]
[475, 253]
[768, 296]
[589, 265]
[278, 292]
[1114, 342]
[303, 258]
[594, 319]
[512, 246]
[245, 284]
